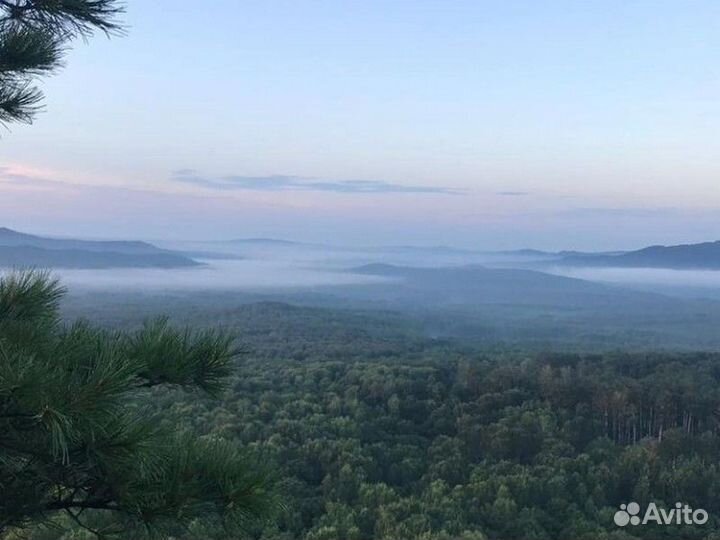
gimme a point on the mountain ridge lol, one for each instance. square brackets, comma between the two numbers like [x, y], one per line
[18, 249]
[700, 256]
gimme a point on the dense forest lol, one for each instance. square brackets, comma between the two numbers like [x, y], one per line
[437, 444]
[383, 435]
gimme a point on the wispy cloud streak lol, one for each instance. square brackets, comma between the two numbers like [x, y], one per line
[299, 183]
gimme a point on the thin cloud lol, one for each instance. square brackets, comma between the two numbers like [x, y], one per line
[663, 212]
[512, 193]
[299, 183]
[11, 176]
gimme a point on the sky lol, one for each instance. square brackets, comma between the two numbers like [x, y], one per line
[487, 124]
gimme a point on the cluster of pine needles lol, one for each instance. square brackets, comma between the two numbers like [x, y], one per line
[78, 437]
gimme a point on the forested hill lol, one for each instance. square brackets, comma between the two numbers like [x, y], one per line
[9, 237]
[25, 250]
[687, 256]
[658, 322]
[28, 256]
[474, 284]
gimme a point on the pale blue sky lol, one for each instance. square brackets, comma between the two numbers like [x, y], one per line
[498, 124]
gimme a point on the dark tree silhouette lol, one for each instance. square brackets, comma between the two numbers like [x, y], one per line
[34, 35]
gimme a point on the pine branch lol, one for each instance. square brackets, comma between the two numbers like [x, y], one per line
[206, 480]
[33, 37]
[26, 51]
[65, 18]
[75, 433]
[28, 298]
[203, 361]
[19, 103]
[73, 503]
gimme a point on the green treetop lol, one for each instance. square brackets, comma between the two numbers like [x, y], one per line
[76, 437]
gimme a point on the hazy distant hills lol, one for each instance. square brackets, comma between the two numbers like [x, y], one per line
[24, 250]
[264, 242]
[473, 285]
[19, 249]
[519, 255]
[682, 257]
[9, 237]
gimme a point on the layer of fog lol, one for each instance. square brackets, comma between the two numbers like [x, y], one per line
[692, 283]
[272, 266]
[241, 275]
[339, 257]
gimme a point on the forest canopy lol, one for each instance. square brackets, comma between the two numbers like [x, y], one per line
[383, 435]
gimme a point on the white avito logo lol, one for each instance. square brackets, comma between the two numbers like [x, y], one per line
[629, 514]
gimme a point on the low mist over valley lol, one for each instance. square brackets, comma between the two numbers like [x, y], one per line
[543, 298]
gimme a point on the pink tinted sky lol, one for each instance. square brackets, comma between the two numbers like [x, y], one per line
[46, 202]
[484, 124]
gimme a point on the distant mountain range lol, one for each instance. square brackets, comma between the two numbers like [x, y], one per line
[682, 257]
[265, 241]
[691, 256]
[19, 249]
[440, 250]
[25, 250]
[703, 256]
[9, 237]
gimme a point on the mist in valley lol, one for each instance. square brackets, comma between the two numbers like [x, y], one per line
[271, 265]
[520, 297]
[563, 299]
[684, 283]
[240, 275]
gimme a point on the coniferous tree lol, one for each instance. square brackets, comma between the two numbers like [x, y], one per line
[34, 35]
[76, 435]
